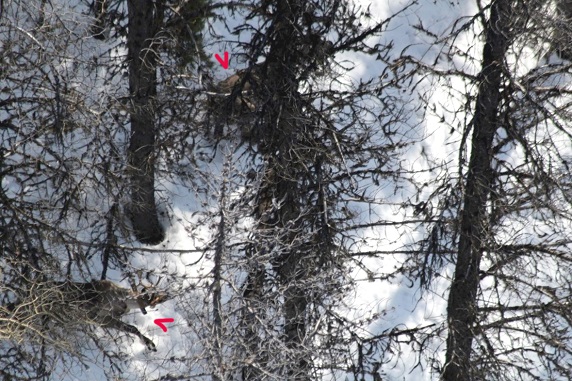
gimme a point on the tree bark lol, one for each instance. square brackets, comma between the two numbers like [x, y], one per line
[279, 207]
[143, 23]
[462, 303]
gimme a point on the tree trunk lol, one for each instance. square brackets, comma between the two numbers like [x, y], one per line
[462, 303]
[143, 21]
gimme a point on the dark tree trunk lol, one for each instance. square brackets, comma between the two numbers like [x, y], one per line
[143, 22]
[276, 142]
[462, 303]
[278, 145]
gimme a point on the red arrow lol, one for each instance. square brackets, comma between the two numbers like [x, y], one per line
[160, 322]
[224, 62]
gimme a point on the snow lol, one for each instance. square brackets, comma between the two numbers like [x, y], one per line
[382, 301]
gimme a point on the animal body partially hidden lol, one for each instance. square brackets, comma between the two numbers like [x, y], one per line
[99, 302]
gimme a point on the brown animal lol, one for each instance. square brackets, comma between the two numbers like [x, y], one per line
[231, 101]
[99, 302]
[243, 101]
[227, 85]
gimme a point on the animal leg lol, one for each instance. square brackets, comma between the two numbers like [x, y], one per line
[121, 326]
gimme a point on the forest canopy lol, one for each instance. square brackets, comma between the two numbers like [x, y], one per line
[367, 192]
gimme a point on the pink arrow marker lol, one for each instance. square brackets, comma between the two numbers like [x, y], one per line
[160, 322]
[224, 62]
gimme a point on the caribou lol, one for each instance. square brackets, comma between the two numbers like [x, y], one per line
[99, 302]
